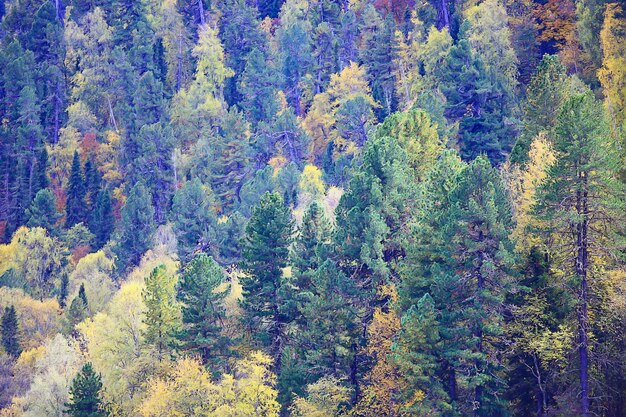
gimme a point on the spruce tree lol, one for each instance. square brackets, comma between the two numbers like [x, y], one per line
[136, 226]
[544, 97]
[10, 332]
[201, 292]
[194, 219]
[63, 289]
[102, 218]
[85, 395]
[75, 206]
[265, 253]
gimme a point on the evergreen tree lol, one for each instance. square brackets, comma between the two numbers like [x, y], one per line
[258, 86]
[233, 159]
[194, 219]
[162, 313]
[147, 157]
[136, 226]
[148, 101]
[102, 218]
[41, 180]
[75, 206]
[92, 184]
[201, 292]
[313, 243]
[416, 351]
[63, 289]
[265, 253]
[10, 332]
[329, 335]
[43, 211]
[294, 40]
[378, 59]
[467, 259]
[579, 201]
[544, 96]
[240, 33]
[479, 104]
[77, 312]
[85, 394]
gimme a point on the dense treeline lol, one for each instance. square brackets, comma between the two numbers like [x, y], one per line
[312, 208]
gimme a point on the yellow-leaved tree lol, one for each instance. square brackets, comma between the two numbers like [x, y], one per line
[523, 184]
[343, 113]
[189, 391]
[612, 75]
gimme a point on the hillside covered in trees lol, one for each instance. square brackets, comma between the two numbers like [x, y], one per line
[312, 208]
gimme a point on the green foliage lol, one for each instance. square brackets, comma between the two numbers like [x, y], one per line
[162, 311]
[76, 192]
[43, 210]
[136, 226]
[265, 252]
[194, 219]
[544, 96]
[10, 332]
[201, 291]
[102, 219]
[85, 394]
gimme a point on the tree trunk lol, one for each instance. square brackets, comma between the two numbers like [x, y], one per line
[581, 271]
[201, 12]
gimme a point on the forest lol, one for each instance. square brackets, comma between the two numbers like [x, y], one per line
[313, 208]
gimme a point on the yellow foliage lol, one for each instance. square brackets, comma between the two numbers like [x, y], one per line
[612, 75]
[324, 399]
[384, 379]
[188, 391]
[311, 182]
[93, 270]
[277, 163]
[524, 185]
[320, 121]
[115, 344]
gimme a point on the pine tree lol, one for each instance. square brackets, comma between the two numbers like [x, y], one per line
[233, 159]
[240, 33]
[75, 206]
[77, 312]
[148, 101]
[314, 241]
[265, 253]
[41, 180]
[136, 226]
[10, 332]
[416, 352]
[93, 182]
[463, 259]
[85, 394]
[201, 292]
[161, 319]
[580, 201]
[43, 211]
[294, 40]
